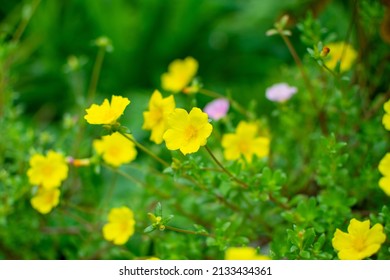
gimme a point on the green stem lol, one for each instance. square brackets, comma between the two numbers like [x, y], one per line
[109, 193]
[6, 65]
[330, 71]
[234, 178]
[136, 181]
[95, 74]
[23, 24]
[187, 231]
[146, 150]
[298, 62]
[234, 103]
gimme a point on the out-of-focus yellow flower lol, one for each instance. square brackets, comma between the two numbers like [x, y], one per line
[384, 169]
[245, 142]
[47, 171]
[243, 253]
[187, 132]
[120, 226]
[115, 149]
[386, 116]
[342, 52]
[360, 242]
[107, 113]
[179, 75]
[45, 200]
[156, 118]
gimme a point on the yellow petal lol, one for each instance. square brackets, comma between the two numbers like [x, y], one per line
[358, 228]
[384, 184]
[45, 200]
[384, 165]
[386, 121]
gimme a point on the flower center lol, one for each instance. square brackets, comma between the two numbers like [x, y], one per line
[47, 170]
[190, 133]
[244, 146]
[359, 244]
[49, 198]
[113, 151]
[157, 115]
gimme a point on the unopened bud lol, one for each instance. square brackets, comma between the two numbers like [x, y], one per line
[324, 52]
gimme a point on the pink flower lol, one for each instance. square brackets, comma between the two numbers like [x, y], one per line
[217, 108]
[280, 92]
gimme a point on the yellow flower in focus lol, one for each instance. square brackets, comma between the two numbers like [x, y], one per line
[187, 132]
[179, 75]
[47, 171]
[245, 142]
[386, 116]
[45, 200]
[120, 226]
[342, 52]
[115, 149]
[384, 169]
[156, 118]
[360, 242]
[107, 113]
[243, 253]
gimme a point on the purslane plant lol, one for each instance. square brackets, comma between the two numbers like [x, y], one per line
[242, 183]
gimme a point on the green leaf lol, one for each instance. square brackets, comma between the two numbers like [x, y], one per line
[319, 243]
[225, 226]
[311, 52]
[305, 254]
[166, 220]
[149, 229]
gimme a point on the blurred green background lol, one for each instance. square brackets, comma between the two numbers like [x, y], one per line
[227, 37]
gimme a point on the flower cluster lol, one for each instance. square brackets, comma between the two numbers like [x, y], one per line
[47, 173]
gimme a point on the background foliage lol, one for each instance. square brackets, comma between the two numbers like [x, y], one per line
[322, 170]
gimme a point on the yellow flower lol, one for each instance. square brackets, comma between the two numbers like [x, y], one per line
[107, 113]
[47, 171]
[120, 226]
[243, 253]
[360, 242]
[156, 118]
[45, 200]
[245, 142]
[179, 75]
[384, 169]
[342, 52]
[115, 149]
[187, 132]
[386, 116]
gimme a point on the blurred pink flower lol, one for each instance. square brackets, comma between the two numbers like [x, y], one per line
[217, 109]
[280, 92]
